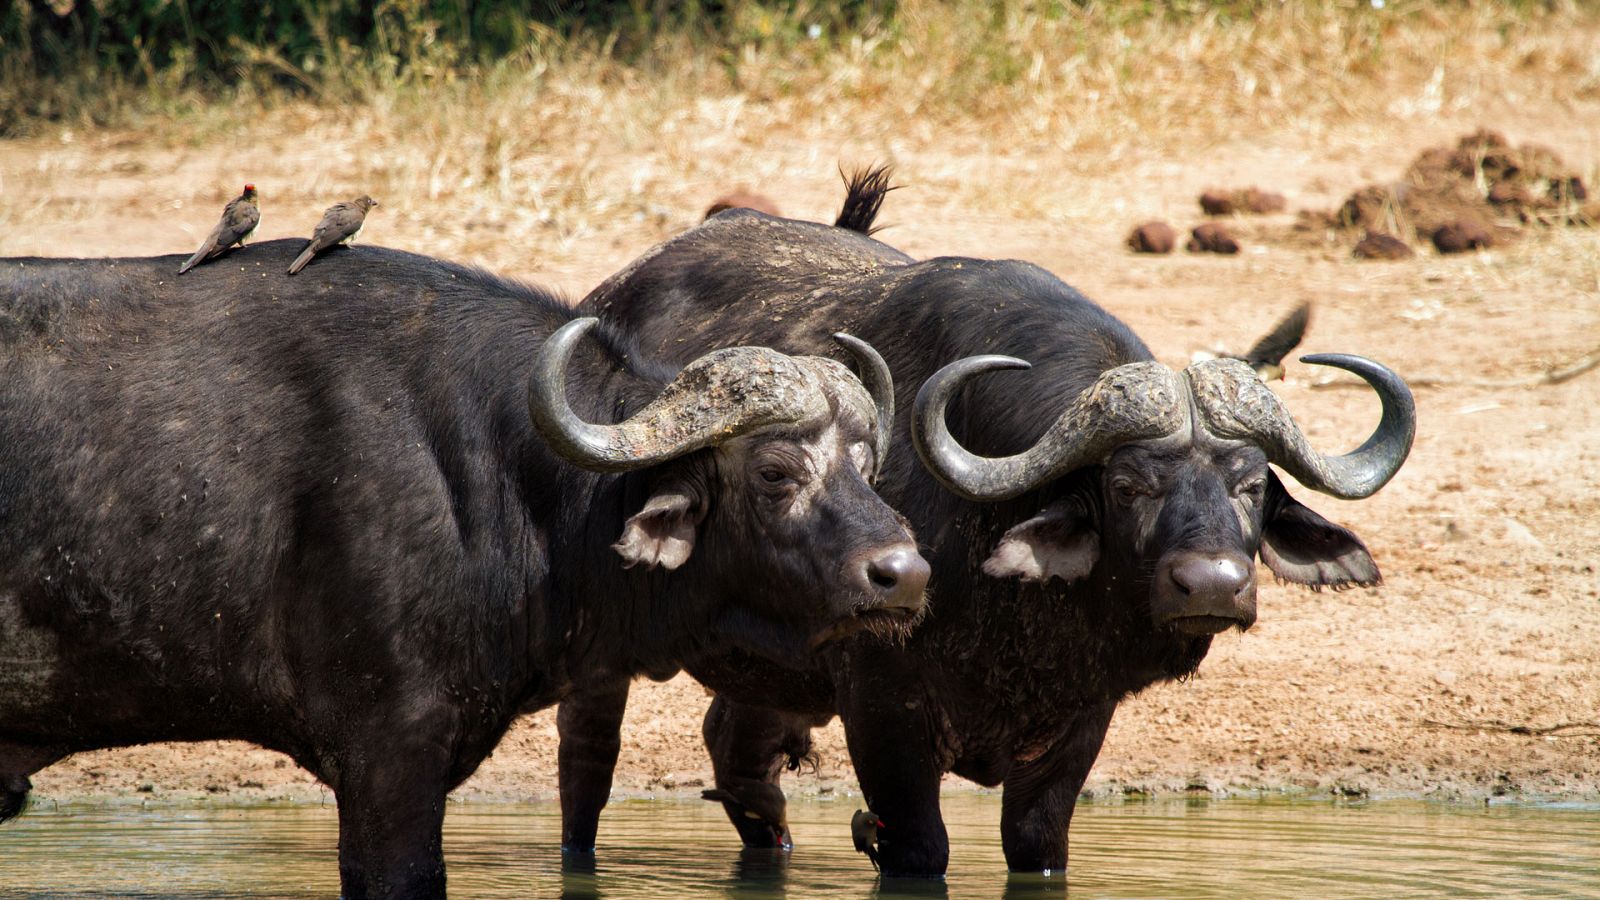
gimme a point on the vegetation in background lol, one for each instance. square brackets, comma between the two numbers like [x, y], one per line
[1060, 71]
[496, 100]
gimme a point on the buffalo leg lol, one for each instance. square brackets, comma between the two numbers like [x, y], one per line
[750, 746]
[17, 762]
[1039, 797]
[391, 798]
[899, 775]
[590, 726]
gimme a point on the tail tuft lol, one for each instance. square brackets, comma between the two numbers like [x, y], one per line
[864, 193]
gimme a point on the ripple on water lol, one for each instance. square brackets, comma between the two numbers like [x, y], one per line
[1224, 848]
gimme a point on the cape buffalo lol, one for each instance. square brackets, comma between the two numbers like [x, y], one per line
[351, 516]
[1091, 522]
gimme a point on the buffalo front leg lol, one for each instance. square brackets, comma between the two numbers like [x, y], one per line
[750, 746]
[391, 797]
[17, 762]
[892, 748]
[590, 727]
[1039, 797]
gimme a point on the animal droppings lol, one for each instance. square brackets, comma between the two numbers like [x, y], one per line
[1377, 245]
[1212, 238]
[1154, 236]
[1461, 236]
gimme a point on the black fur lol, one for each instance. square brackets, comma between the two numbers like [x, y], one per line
[312, 513]
[1006, 681]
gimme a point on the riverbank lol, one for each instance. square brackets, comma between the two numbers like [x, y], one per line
[1452, 680]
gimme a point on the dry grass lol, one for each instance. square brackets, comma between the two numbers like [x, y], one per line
[563, 144]
[563, 137]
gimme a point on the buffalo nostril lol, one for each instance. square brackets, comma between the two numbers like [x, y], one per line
[898, 577]
[887, 570]
[1210, 577]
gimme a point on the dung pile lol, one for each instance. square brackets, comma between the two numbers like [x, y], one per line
[1471, 195]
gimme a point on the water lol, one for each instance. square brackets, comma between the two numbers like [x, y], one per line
[1200, 848]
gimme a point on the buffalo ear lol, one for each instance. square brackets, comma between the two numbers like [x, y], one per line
[1060, 542]
[662, 533]
[1300, 546]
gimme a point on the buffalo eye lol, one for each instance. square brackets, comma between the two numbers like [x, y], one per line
[1252, 489]
[772, 475]
[1126, 490]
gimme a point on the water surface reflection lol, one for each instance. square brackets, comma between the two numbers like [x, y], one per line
[1231, 848]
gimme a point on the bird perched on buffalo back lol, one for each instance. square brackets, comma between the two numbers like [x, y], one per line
[239, 220]
[339, 225]
[864, 827]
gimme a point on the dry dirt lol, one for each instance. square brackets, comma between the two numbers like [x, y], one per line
[1489, 620]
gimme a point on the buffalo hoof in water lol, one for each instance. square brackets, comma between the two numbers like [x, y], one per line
[13, 795]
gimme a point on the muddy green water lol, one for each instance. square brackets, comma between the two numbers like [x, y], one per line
[1202, 848]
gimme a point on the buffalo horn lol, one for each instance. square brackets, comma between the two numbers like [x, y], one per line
[1130, 402]
[719, 396]
[1234, 403]
[875, 378]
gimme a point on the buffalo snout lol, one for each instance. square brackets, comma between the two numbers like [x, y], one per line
[1204, 593]
[892, 579]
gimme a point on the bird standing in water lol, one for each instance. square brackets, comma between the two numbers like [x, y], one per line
[864, 827]
[339, 225]
[239, 220]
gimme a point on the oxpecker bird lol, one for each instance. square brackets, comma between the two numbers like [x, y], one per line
[755, 800]
[239, 220]
[864, 827]
[339, 225]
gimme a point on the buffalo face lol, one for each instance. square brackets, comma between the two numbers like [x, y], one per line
[791, 529]
[1162, 479]
[759, 468]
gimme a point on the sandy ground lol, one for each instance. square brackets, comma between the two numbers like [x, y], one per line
[1437, 684]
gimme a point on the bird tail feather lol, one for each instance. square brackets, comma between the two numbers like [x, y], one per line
[301, 260]
[195, 260]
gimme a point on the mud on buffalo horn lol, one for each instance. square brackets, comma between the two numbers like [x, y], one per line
[721, 395]
[1147, 400]
[1131, 402]
[1233, 403]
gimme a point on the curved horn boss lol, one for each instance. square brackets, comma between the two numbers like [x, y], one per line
[721, 395]
[1130, 402]
[1234, 403]
[1142, 400]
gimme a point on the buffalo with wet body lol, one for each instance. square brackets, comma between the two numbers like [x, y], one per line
[368, 515]
[1092, 520]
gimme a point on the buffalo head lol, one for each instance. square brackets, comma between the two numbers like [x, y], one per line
[1162, 477]
[759, 465]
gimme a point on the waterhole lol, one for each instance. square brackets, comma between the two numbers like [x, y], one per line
[660, 849]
